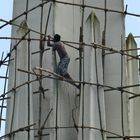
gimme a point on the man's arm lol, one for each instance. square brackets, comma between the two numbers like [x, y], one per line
[49, 41]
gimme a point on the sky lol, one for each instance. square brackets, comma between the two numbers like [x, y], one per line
[6, 6]
[133, 23]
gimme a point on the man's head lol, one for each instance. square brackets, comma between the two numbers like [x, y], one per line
[57, 38]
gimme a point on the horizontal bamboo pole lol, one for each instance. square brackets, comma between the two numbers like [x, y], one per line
[124, 137]
[22, 129]
[3, 77]
[2, 119]
[72, 4]
[85, 127]
[25, 12]
[98, 8]
[96, 45]
[5, 98]
[84, 82]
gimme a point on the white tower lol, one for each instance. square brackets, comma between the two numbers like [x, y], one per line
[45, 108]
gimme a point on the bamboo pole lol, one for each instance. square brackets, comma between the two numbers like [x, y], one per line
[84, 82]
[98, 95]
[122, 95]
[81, 68]
[4, 90]
[89, 127]
[67, 3]
[29, 86]
[25, 13]
[95, 45]
[22, 129]
[98, 8]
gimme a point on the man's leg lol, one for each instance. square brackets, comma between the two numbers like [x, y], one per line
[62, 68]
[68, 77]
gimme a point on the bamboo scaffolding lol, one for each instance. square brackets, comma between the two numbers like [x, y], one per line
[4, 90]
[42, 135]
[29, 78]
[2, 119]
[84, 82]
[3, 106]
[98, 96]
[14, 88]
[95, 84]
[22, 129]
[135, 96]
[94, 45]
[41, 76]
[125, 137]
[122, 93]
[10, 23]
[14, 38]
[35, 92]
[38, 39]
[5, 98]
[125, 87]
[14, 47]
[85, 127]
[41, 89]
[81, 66]
[88, 127]
[73, 4]
[14, 84]
[48, 115]
[3, 77]
[25, 13]
[26, 9]
[87, 83]
[35, 39]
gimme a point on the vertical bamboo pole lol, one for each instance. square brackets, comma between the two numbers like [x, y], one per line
[29, 90]
[81, 68]
[14, 93]
[104, 34]
[41, 90]
[98, 97]
[27, 5]
[4, 90]
[122, 96]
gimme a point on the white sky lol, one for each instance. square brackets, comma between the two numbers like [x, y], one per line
[132, 25]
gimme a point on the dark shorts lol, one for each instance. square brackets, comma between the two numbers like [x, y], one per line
[63, 66]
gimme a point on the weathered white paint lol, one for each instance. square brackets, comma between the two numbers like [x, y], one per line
[113, 74]
[91, 93]
[20, 111]
[132, 74]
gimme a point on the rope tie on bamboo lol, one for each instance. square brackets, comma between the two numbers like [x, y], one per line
[125, 12]
[1, 62]
[41, 89]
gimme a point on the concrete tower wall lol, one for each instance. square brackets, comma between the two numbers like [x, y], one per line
[94, 109]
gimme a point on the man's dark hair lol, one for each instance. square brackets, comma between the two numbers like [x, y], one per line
[57, 38]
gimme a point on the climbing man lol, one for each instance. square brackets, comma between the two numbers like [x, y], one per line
[63, 55]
